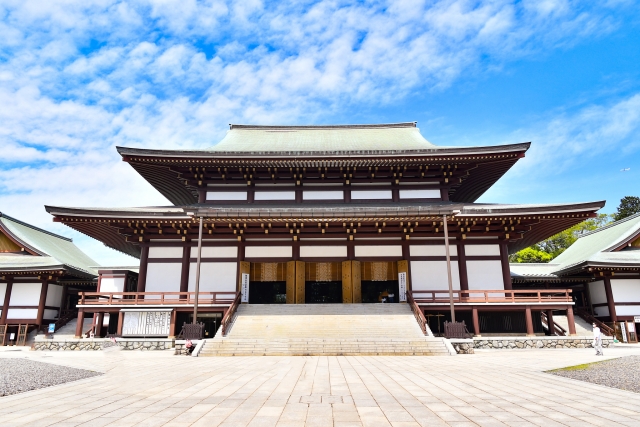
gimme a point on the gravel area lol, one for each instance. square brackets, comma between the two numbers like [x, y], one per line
[20, 375]
[622, 373]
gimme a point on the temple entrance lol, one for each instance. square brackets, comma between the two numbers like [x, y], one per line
[268, 283]
[379, 282]
[380, 291]
[323, 293]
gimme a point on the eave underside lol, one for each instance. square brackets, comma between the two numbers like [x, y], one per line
[126, 232]
[465, 177]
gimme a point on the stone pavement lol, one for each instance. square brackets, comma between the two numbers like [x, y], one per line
[499, 388]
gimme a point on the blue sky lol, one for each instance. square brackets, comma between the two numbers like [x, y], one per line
[79, 78]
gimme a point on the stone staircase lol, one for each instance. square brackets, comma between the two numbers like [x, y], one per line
[324, 329]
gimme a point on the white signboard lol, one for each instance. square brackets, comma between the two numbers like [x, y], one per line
[244, 289]
[146, 323]
[636, 319]
[402, 287]
[632, 327]
[624, 331]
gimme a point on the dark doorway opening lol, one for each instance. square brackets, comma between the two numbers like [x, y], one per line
[211, 322]
[374, 291]
[112, 328]
[436, 320]
[323, 293]
[267, 292]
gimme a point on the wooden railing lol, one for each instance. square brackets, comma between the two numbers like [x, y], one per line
[422, 321]
[63, 319]
[557, 329]
[228, 317]
[155, 298]
[493, 296]
[608, 331]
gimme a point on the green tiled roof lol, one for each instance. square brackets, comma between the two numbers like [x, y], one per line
[398, 136]
[54, 250]
[593, 248]
[602, 240]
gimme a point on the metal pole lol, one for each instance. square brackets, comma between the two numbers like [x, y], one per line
[446, 248]
[195, 302]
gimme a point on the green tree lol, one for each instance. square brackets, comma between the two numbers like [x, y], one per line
[629, 205]
[550, 248]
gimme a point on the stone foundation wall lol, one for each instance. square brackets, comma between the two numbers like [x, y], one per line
[181, 350]
[101, 344]
[463, 346]
[523, 343]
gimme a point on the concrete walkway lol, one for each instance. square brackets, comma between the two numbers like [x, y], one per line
[498, 388]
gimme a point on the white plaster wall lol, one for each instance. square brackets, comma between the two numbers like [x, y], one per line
[214, 276]
[49, 314]
[601, 311]
[373, 251]
[274, 195]
[420, 194]
[432, 275]
[163, 277]
[22, 313]
[371, 195]
[482, 250]
[54, 296]
[268, 252]
[3, 291]
[432, 250]
[627, 310]
[625, 290]
[323, 195]
[25, 294]
[165, 252]
[112, 284]
[226, 195]
[484, 274]
[216, 252]
[323, 251]
[597, 293]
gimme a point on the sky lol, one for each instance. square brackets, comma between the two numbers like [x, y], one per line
[78, 78]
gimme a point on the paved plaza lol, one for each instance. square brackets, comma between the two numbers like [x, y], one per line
[498, 388]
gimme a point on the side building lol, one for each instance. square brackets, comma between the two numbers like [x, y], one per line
[603, 270]
[41, 276]
[323, 214]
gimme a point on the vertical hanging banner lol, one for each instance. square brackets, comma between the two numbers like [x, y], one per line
[244, 289]
[402, 286]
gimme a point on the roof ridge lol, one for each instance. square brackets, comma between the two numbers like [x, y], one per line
[3, 215]
[612, 224]
[346, 126]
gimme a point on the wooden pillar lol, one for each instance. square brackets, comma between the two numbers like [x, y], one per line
[300, 282]
[184, 274]
[529, 321]
[610, 302]
[41, 303]
[172, 325]
[506, 271]
[356, 275]
[99, 324]
[347, 195]
[79, 324]
[5, 305]
[291, 282]
[347, 283]
[444, 194]
[142, 274]
[571, 321]
[462, 268]
[120, 323]
[476, 322]
[550, 324]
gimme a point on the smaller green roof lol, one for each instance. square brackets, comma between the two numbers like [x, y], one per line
[53, 250]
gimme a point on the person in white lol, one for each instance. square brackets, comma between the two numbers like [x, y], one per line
[597, 340]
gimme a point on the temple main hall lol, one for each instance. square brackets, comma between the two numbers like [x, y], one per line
[302, 217]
